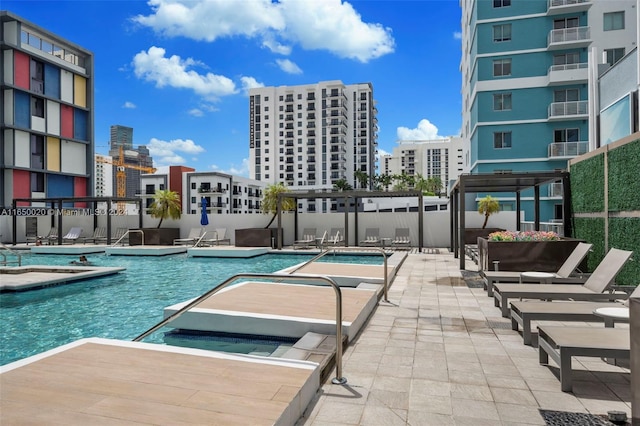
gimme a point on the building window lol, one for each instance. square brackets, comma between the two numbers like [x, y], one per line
[613, 55]
[37, 107]
[566, 58]
[566, 95]
[501, 67]
[502, 140]
[614, 21]
[566, 135]
[37, 76]
[37, 152]
[37, 182]
[502, 102]
[502, 32]
[501, 3]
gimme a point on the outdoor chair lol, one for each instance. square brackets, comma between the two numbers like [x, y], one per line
[72, 236]
[371, 237]
[402, 238]
[594, 288]
[525, 311]
[218, 237]
[336, 237]
[51, 235]
[562, 276]
[192, 238]
[98, 234]
[120, 233]
[308, 239]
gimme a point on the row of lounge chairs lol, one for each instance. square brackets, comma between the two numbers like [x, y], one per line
[336, 237]
[200, 237]
[75, 235]
[568, 297]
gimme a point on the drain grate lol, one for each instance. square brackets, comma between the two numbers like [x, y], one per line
[565, 418]
[499, 324]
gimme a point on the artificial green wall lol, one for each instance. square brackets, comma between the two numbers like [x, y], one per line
[588, 180]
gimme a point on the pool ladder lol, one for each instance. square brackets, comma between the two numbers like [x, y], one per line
[339, 379]
[4, 261]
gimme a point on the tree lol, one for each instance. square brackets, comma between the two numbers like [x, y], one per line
[362, 178]
[385, 181]
[342, 185]
[488, 206]
[166, 205]
[270, 201]
[434, 184]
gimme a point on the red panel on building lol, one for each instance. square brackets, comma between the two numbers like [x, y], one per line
[66, 121]
[80, 190]
[22, 185]
[21, 70]
[175, 178]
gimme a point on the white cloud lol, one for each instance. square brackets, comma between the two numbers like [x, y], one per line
[249, 83]
[196, 112]
[236, 170]
[457, 35]
[331, 25]
[425, 131]
[175, 72]
[382, 153]
[288, 66]
[129, 105]
[167, 153]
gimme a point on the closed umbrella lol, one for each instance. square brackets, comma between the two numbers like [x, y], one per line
[204, 219]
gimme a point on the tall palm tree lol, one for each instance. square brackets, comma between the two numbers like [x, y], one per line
[269, 203]
[362, 178]
[166, 204]
[488, 206]
[342, 185]
[384, 181]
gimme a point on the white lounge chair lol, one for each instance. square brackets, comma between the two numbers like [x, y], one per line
[336, 237]
[402, 238]
[72, 235]
[98, 234]
[192, 238]
[218, 236]
[371, 237]
[594, 288]
[308, 239]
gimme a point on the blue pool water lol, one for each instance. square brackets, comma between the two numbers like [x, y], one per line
[120, 306]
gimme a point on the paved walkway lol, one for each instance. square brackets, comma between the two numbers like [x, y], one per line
[440, 354]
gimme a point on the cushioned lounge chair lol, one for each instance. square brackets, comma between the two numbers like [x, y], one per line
[594, 288]
[562, 276]
[192, 238]
[402, 238]
[72, 236]
[99, 233]
[371, 237]
[308, 239]
[562, 343]
[218, 236]
[525, 311]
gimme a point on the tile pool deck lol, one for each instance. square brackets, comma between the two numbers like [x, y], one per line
[438, 354]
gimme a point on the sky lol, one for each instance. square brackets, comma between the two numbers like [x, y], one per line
[178, 71]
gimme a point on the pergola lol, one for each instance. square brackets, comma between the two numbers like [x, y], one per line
[505, 182]
[347, 196]
[57, 204]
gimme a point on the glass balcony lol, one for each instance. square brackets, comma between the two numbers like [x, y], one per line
[569, 38]
[568, 149]
[568, 74]
[556, 7]
[568, 110]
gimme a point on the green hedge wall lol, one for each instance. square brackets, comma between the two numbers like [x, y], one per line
[624, 234]
[587, 185]
[591, 230]
[624, 177]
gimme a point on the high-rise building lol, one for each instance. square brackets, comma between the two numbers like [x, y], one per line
[47, 146]
[310, 136]
[526, 68]
[121, 140]
[440, 158]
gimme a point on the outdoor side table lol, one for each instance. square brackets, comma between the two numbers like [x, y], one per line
[612, 315]
[541, 277]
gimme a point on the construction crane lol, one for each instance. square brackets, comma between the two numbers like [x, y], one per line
[121, 175]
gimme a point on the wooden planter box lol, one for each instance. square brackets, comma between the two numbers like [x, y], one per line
[256, 237]
[471, 235]
[154, 236]
[543, 256]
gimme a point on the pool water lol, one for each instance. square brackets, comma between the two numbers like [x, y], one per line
[120, 306]
[228, 342]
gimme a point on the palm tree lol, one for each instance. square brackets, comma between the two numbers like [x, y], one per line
[342, 185]
[166, 204]
[422, 184]
[488, 206]
[385, 181]
[269, 203]
[362, 178]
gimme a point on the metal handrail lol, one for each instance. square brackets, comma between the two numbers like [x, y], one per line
[334, 249]
[127, 234]
[197, 243]
[339, 379]
[5, 262]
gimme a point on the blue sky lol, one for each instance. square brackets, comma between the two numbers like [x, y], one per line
[178, 71]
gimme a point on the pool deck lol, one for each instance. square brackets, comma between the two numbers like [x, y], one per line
[20, 278]
[438, 353]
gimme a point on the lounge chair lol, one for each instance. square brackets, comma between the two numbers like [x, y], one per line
[120, 232]
[218, 236]
[50, 238]
[402, 238]
[336, 237]
[523, 312]
[192, 238]
[561, 343]
[371, 237]
[98, 234]
[594, 288]
[72, 236]
[308, 239]
[562, 276]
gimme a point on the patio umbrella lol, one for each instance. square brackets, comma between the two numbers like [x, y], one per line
[204, 219]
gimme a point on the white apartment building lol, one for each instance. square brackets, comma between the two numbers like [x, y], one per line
[310, 136]
[224, 193]
[441, 158]
[103, 175]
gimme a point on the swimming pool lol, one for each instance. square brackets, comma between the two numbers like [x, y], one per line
[119, 306]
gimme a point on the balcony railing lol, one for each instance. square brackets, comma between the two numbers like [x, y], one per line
[213, 190]
[568, 73]
[560, 110]
[569, 37]
[568, 149]
[555, 190]
[555, 7]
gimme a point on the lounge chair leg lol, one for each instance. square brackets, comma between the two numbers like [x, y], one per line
[543, 356]
[565, 372]
[496, 301]
[505, 306]
[514, 324]
[489, 288]
[526, 331]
